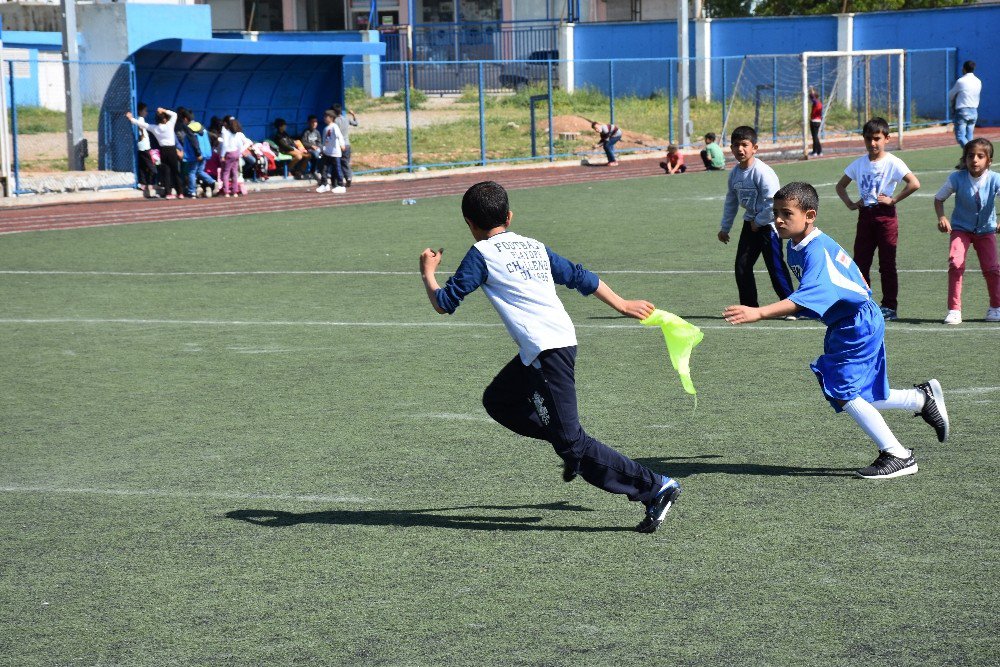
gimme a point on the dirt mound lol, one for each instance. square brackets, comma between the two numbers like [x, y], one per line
[582, 125]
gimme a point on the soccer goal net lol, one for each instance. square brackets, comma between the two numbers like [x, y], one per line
[853, 87]
[772, 93]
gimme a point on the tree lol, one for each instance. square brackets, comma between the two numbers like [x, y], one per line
[719, 9]
[807, 7]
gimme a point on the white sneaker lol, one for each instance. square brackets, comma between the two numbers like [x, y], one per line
[339, 190]
[993, 315]
[955, 317]
[323, 188]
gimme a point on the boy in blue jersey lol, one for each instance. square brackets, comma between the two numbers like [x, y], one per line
[751, 185]
[534, 395]
[852, 368]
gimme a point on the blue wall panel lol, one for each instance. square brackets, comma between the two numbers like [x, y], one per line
[972, 30]
[740, 37]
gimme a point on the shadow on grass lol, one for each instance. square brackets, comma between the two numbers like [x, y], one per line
[688, 466]
[431, 517]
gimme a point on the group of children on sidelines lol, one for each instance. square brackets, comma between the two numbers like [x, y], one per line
[534, 395]
[177, 154]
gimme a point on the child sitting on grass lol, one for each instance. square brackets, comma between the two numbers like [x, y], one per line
[674, 164]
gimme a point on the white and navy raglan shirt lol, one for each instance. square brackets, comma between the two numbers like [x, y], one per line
[830, 284]
[519, 276]
[752, 188]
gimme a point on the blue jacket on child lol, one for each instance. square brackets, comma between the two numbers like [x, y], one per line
[975, 217]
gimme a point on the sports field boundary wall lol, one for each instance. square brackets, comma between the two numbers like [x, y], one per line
[970, 30]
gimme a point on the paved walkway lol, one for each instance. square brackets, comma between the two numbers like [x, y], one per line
[26, 215]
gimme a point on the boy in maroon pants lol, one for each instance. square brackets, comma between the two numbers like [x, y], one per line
[877, 175]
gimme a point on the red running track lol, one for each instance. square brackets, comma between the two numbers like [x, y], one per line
[26, 218]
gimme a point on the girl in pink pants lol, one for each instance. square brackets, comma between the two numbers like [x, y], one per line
[973, 223]
[234, 142]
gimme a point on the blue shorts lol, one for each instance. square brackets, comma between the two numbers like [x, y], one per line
[853, 362]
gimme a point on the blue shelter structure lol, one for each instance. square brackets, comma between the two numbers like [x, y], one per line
[256, 81]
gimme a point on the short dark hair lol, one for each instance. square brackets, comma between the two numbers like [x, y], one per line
[485, 205]
[803, 193]
[710, 136]
[140, 107]
[330, 112]
[311, 118]
[336, 109]
[969, 66]
[874, 126]
[184, 114]
[744, 132]
[978, 142]
[278, 122]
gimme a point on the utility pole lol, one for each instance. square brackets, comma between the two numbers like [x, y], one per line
[76, 145]
[684, 72]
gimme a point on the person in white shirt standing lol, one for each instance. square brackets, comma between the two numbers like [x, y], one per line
[964, 100]
[333, 149]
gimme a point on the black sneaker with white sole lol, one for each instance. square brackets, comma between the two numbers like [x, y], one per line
[887, 466]
[934, 412]
[657, 510]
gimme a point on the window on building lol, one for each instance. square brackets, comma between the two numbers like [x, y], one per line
[325, 15]
[263, 15]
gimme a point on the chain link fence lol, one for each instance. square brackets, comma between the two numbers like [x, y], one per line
[415, 124]
[36, 97]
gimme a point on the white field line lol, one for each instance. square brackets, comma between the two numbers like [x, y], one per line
[162, 493]
[365, 272]
[974, 391]
[452, 416]
[935, 329]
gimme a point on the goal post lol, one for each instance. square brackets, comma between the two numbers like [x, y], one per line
[868, 80]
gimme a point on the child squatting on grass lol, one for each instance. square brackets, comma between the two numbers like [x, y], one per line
[852, 369]
[973, 222]
[534, 395]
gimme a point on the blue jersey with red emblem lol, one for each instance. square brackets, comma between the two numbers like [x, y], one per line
[830, 284]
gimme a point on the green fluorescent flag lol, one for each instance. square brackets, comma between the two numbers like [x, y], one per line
[681, 337]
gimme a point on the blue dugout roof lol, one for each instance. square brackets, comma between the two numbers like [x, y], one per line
[254, 81]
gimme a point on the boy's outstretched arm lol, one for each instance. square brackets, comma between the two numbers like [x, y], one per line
[747, 314]
[842, 184]
[638, 309]
[429, 261]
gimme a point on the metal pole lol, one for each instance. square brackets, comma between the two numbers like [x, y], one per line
[409, 129]
[725, 104]
[482, 118]
[4, 132]
[611, 88]
[552, 146]
[805, 104]
[685, 79]
[76, 145]
[16, 167]
[901, 94]
[670, 102]
[774, 103]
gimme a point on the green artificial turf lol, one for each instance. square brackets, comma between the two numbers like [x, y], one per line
[250, 468]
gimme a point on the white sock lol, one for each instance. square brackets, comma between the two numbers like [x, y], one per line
[872, 423]
[902, 399]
